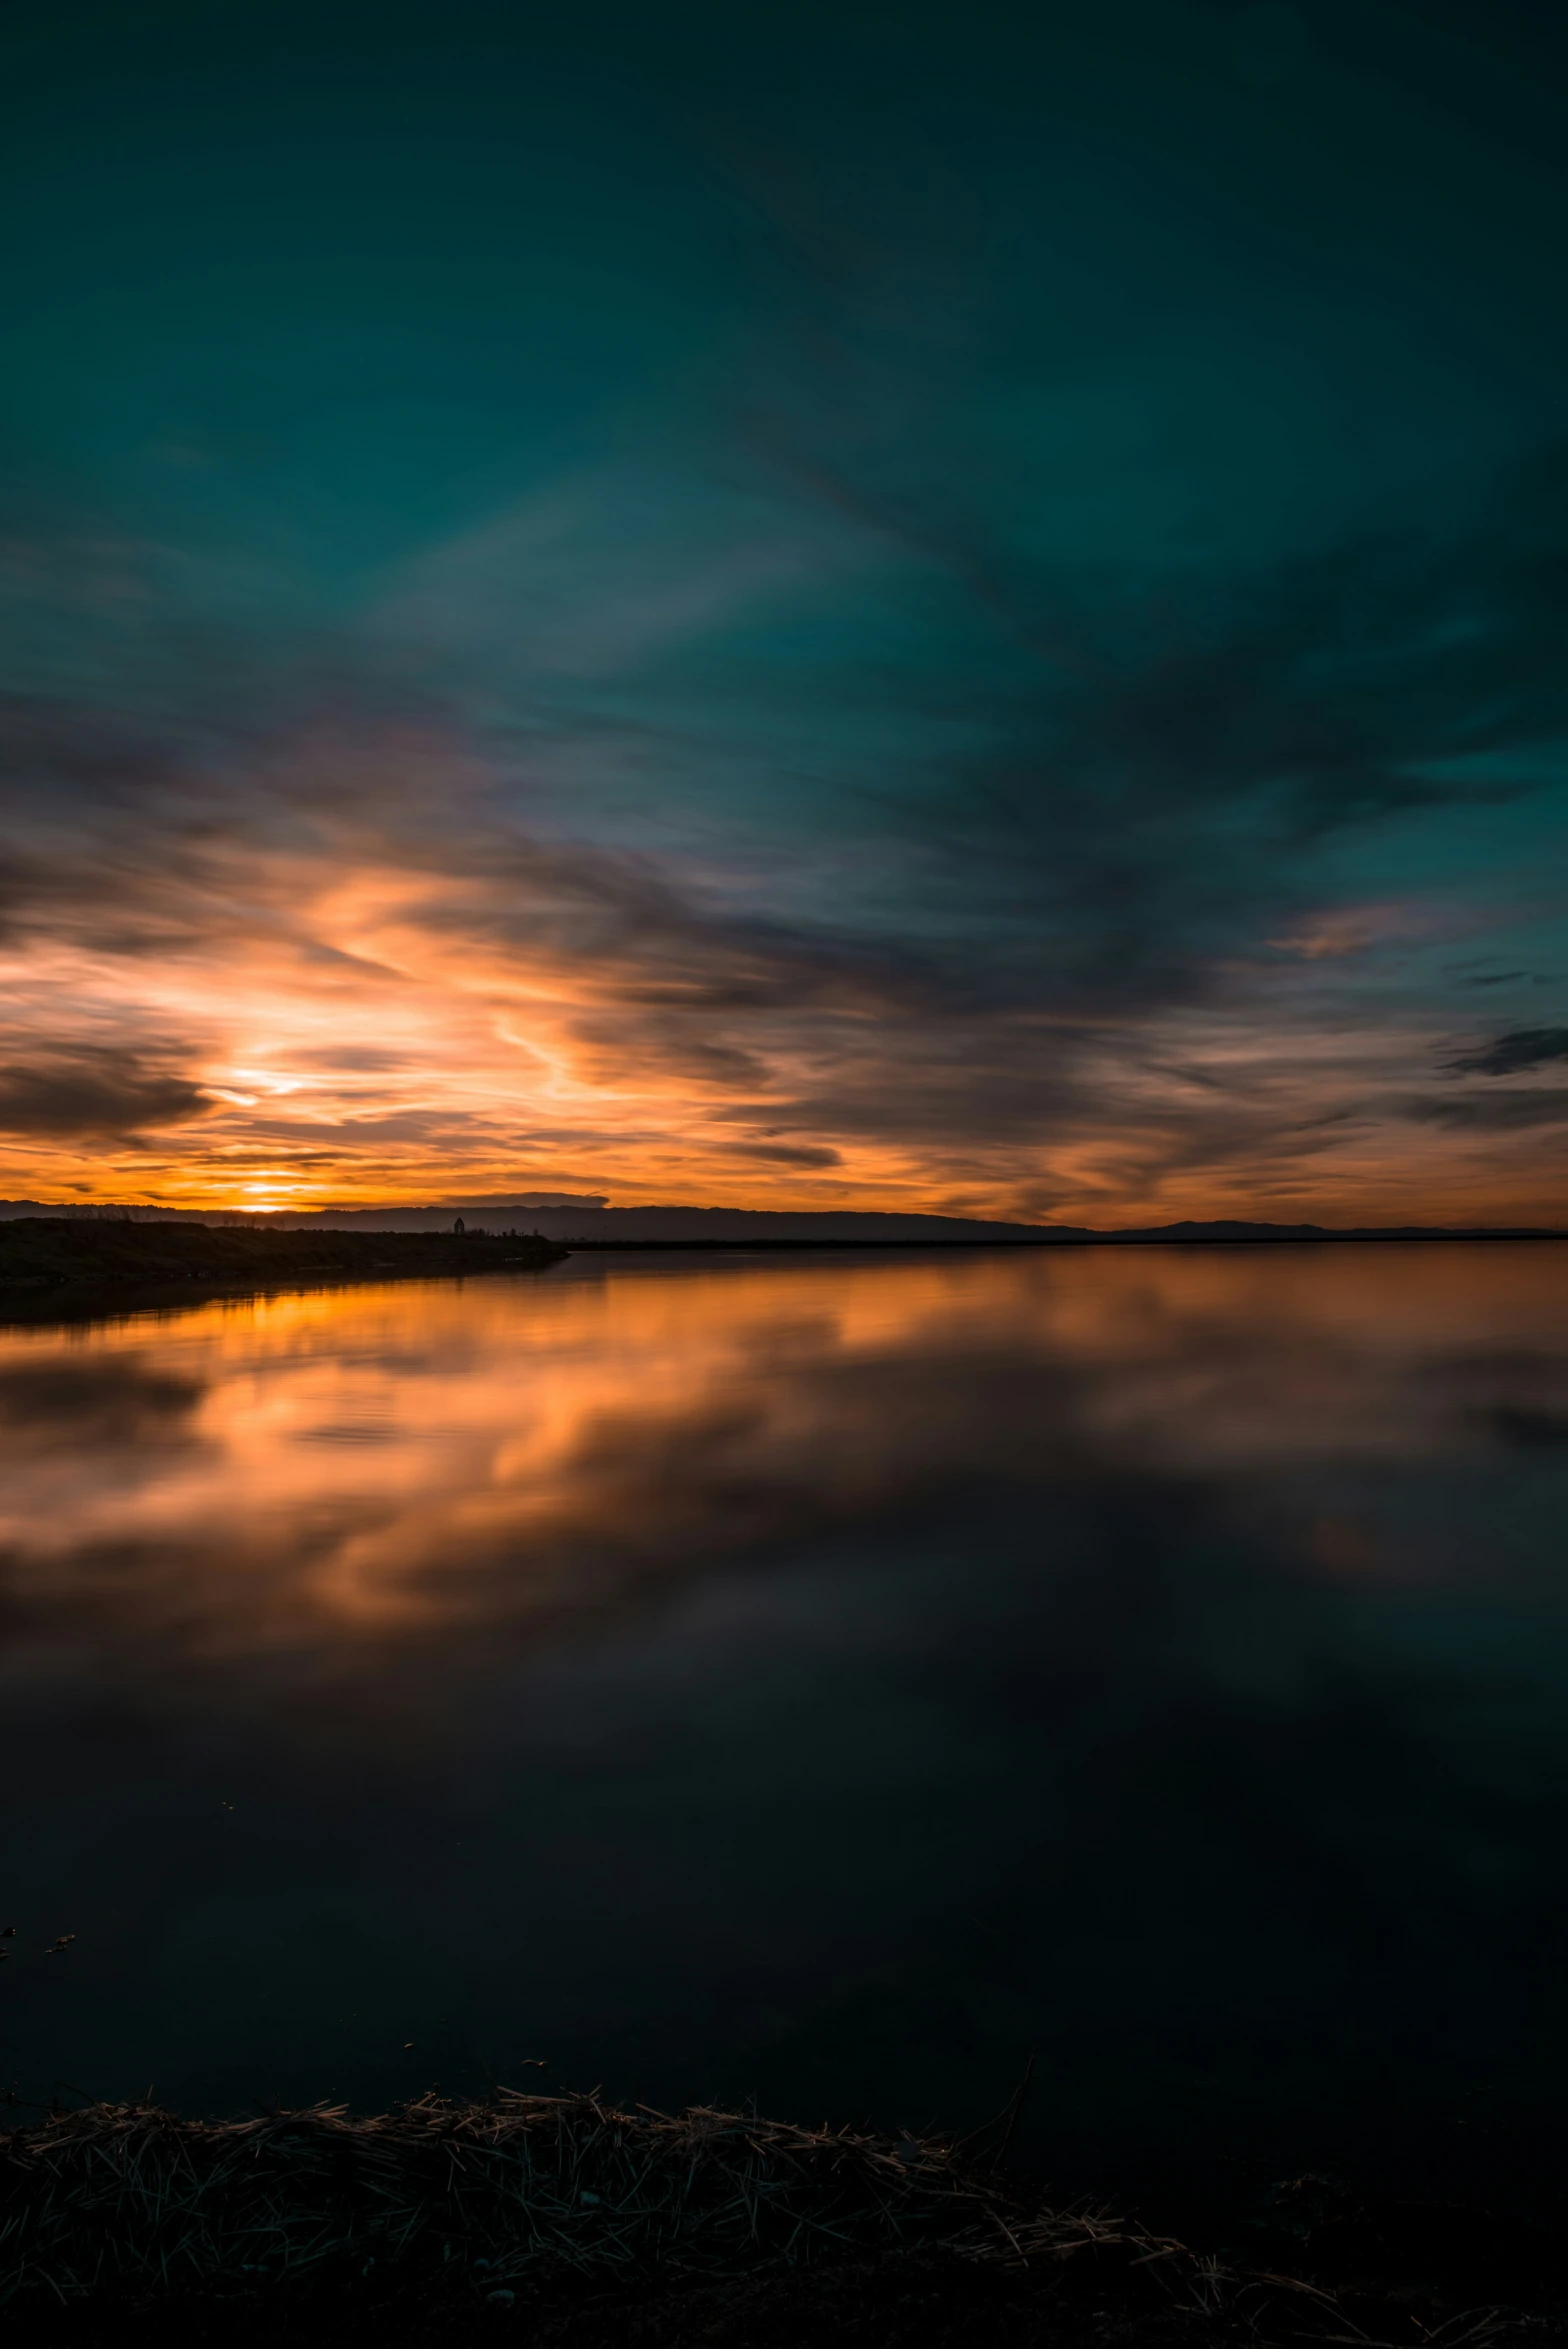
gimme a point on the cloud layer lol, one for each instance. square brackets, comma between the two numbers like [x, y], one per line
[906, 662]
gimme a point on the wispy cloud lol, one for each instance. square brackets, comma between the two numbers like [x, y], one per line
[92, 1093]
[937, 681]
[1506, 1055]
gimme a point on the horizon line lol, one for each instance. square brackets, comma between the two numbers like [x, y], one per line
[597, 1206]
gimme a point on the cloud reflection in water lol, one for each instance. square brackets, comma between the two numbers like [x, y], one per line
[368, 1463]
[830, 1677]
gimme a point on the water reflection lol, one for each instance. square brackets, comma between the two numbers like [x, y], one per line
[833, 1677]
[370, 1461]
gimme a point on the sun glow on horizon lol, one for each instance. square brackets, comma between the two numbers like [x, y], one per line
[739, 674]
[376, 1034]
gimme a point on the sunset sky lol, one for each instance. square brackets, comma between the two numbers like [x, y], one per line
[879, 605]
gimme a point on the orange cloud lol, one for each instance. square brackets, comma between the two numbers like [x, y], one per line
[354, 977]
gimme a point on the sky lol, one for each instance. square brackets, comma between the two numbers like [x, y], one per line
[878, 605]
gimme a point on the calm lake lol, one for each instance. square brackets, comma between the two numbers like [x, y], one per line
[823, 1678]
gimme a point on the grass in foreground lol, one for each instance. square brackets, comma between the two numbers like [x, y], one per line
[522, 2190]
[570, 2223]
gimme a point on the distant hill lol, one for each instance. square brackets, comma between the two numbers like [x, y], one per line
[750, 1226]
[586, 1221]
[740, 1227]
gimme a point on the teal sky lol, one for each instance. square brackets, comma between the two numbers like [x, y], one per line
[867, 605]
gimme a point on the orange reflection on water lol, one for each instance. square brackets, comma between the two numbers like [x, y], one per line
[381, 1460]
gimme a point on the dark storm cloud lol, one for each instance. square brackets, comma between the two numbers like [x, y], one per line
[1494, 1112]
[1158, 800]
[1176, 737]
[788, 1153]
[674, 953]
[161, 861]
[111, 823]
[1520, 1048]
[91, 1092]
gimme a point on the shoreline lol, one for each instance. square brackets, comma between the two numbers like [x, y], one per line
[80, 1269]
[46, 1262]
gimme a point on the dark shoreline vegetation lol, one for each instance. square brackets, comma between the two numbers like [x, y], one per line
[567, 2221]
[107, 1261]
[51, 1253]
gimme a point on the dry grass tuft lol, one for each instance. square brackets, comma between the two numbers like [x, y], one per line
[129, 2200]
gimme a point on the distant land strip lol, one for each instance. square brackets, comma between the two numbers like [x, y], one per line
[1172, 1238]
[589, 1224]
[48, 1253]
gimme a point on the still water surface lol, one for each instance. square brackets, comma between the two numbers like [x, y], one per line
[827, 1678]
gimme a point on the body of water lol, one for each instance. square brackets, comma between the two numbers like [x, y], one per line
[829, 1679]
